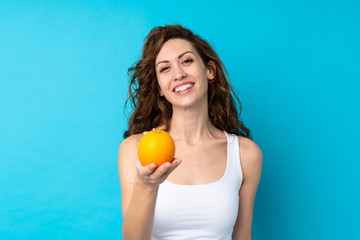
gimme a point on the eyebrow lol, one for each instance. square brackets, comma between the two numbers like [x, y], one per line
[180, 56]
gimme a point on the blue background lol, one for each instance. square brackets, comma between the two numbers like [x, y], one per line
[63, 84]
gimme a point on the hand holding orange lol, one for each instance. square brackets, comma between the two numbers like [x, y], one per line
[156, 146]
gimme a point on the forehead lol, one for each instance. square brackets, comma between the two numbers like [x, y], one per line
[173, 48]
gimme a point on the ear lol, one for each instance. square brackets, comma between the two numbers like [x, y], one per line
[211, 70]
[159, 90]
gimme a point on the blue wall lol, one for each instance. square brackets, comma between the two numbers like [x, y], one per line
[63, 64]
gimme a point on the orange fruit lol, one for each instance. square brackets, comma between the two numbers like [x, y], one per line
[156, 146]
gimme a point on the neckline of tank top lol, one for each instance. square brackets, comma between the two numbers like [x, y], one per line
[210, 183]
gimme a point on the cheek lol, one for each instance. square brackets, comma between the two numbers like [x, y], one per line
[163, 83]
[160, 81]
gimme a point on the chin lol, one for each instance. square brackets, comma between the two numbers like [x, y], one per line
[188, 103]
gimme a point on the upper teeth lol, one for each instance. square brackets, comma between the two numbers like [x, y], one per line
[183, 87]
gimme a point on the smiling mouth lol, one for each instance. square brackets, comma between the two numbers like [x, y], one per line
[183, 87]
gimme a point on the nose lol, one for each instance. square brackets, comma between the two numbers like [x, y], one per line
[179, 73]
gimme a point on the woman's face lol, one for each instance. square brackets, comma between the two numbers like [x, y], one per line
[181, 73]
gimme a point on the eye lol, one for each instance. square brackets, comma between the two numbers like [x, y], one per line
[188, 60]
[163, 69]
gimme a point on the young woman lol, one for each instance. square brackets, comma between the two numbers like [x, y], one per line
[208, 191]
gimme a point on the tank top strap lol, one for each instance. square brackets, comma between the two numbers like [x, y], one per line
[234, 165]
[145, 132]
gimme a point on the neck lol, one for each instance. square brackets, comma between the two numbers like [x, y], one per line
[191, 125]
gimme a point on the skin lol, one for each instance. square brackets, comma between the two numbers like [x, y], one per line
[200, 147]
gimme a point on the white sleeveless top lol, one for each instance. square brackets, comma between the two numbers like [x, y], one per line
[200, 212]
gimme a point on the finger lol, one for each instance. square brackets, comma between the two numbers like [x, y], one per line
[145, 170]
[165, 169]
[174, 164]
[161, 170]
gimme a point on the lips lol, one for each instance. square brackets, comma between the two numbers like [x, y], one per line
[183, 87]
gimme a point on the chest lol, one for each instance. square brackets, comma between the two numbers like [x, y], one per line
[207, 211]
[201, 164]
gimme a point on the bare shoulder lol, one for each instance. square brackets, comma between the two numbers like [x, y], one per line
[249, 149]
[130, 143]
[128, 155]
[251, 156]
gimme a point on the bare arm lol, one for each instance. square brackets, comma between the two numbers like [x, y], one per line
[251, 163]
[139, 188]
